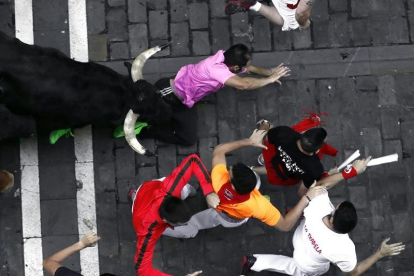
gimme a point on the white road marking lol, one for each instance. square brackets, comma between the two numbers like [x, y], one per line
[29, 163]
[78, 34]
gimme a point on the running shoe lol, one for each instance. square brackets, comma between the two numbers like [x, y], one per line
[247, 263]
[260, 160]
[119, 130]
[235, 6]
[56, 134]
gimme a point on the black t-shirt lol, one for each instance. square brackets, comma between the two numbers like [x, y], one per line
[294, 163]
[63, 271]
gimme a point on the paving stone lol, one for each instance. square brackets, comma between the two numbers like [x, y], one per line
[57, 182]
[380, 211]
[52, 244]
[358, 197]
[340, 28]
[227, 130]
[405, 94]
[119, 50]
[380, 29]
[45, 20]
[351, 131]
[53, 223]
[398, 202]
[407, 132]
[366, 84]
[220, 34]
[206, 120]
[227, 102]
[411, 23]
[267, 99]
[360, 32]
[217, 8]
[138, 39]
[262, 36]
[320, 11]
[401, 224]
[338, 6]
[178, 10]
[306, 94]
[399, 33]
[348, 96]
[287, 93]
[390, 123]
[137, 11]
[240, 26]
[128, 248]
[247, 118]
[360, 8]
[201, 43]
[386, 89]
[302, 39]
[116, 3]
[6, 19]
[54, 39]
[327, 90]
[362, 232]
[385, 268]
[372, 142]
[282, 41]
[146, 174]
[198, 15]
[95, 16]
[323, 34]
[180, 39]
[125, 163]
[116, 20]
[97, 47]
[168, 162]
[104, 176]
[163, 53]
[157, 4]
[173, 252]
[206, 148]
[158, 24]
[368, 109]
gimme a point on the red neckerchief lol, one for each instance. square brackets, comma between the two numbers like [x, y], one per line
[229, 196]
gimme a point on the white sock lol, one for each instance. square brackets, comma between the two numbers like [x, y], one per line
[256, 7]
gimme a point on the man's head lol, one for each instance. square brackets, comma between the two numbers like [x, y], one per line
[345, 218]
[237, 58]
[313, 139]
[242, 178]
[174, 211]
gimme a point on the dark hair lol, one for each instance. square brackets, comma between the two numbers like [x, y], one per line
[345, 218]
[108, 274]
[244, 179]
[313, 139]
[174, 210]
[237, 54]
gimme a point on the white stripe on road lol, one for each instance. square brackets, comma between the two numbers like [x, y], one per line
[29, 164]
[78, 34]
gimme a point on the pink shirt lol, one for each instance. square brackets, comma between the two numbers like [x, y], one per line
[195, 81]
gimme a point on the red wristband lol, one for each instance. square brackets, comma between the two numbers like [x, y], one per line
[349, 172]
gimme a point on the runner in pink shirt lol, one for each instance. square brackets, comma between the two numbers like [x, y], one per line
[195, 81]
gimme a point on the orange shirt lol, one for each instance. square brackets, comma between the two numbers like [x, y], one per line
[257, 206]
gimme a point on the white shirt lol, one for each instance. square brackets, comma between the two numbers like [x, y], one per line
[316, 245]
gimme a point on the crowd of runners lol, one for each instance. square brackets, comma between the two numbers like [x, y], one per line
[291, 155]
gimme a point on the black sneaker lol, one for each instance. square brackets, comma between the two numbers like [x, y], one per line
[247, 263]
[235, 6]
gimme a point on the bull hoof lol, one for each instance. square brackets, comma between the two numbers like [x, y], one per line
[148, 153]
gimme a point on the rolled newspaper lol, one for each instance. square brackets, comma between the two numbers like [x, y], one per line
[350, 159]
[383, 160]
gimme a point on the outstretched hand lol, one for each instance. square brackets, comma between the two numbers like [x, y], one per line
[361, 165]
[278, 72]
[195, 273]
[315, 191]
[89, 240]
[390, 249]
[256, 139]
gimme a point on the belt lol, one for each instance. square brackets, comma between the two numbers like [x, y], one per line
[174, 91]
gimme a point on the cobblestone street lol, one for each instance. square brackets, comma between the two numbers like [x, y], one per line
[356, 62]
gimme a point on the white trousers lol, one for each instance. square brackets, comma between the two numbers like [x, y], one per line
[282, 264]
[288, 15]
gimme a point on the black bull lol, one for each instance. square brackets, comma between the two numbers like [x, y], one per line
[43, 88]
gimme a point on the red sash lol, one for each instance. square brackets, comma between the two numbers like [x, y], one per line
[228, 195]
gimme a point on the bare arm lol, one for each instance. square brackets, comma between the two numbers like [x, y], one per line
[254, 83]
[251, 69]
[219, 154]
[52, 263]
[286, 224]
[332, 180]
[384, 251]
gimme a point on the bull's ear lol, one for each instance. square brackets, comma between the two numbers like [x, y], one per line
[128, 65]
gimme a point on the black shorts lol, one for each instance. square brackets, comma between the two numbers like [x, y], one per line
[63, 271]
[168, 95]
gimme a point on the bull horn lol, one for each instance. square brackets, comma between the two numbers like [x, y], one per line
[136, 70]
[129, 129]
